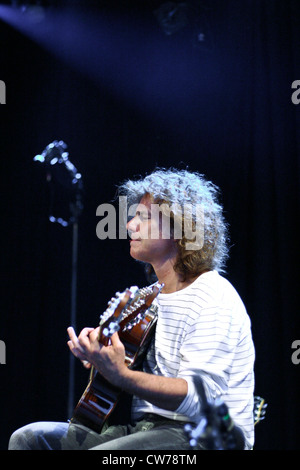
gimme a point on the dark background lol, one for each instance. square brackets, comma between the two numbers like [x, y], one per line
[125, 96]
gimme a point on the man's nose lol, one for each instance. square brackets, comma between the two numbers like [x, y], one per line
[132, 226]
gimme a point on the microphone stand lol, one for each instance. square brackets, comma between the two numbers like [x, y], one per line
[75, 210]
[60, 169]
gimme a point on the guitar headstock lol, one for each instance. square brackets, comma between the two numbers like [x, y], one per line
[259, 409]
[126, 309]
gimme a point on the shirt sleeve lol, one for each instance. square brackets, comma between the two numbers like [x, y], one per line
[206, 353]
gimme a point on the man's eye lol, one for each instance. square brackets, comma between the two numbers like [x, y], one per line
[144, 217]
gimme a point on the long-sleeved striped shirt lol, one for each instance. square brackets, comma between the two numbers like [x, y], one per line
[204, 330]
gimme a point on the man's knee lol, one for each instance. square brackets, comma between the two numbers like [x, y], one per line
[19, 439]
[38, 436]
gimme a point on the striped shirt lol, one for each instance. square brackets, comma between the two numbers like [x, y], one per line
[204, 330]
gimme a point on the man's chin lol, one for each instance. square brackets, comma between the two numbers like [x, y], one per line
[135, 252]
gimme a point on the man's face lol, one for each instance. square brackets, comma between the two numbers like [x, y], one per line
[150, 238]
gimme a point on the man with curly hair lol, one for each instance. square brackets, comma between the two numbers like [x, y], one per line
[203, 329]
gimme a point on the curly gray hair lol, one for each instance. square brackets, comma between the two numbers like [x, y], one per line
[181, 189]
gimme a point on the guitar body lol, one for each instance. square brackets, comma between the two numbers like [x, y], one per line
[100, 398]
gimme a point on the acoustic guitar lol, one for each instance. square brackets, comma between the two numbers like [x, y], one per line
[133, 315]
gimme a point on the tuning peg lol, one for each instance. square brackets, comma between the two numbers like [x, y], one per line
[111, 329]
[128, 327]
[113, 301]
